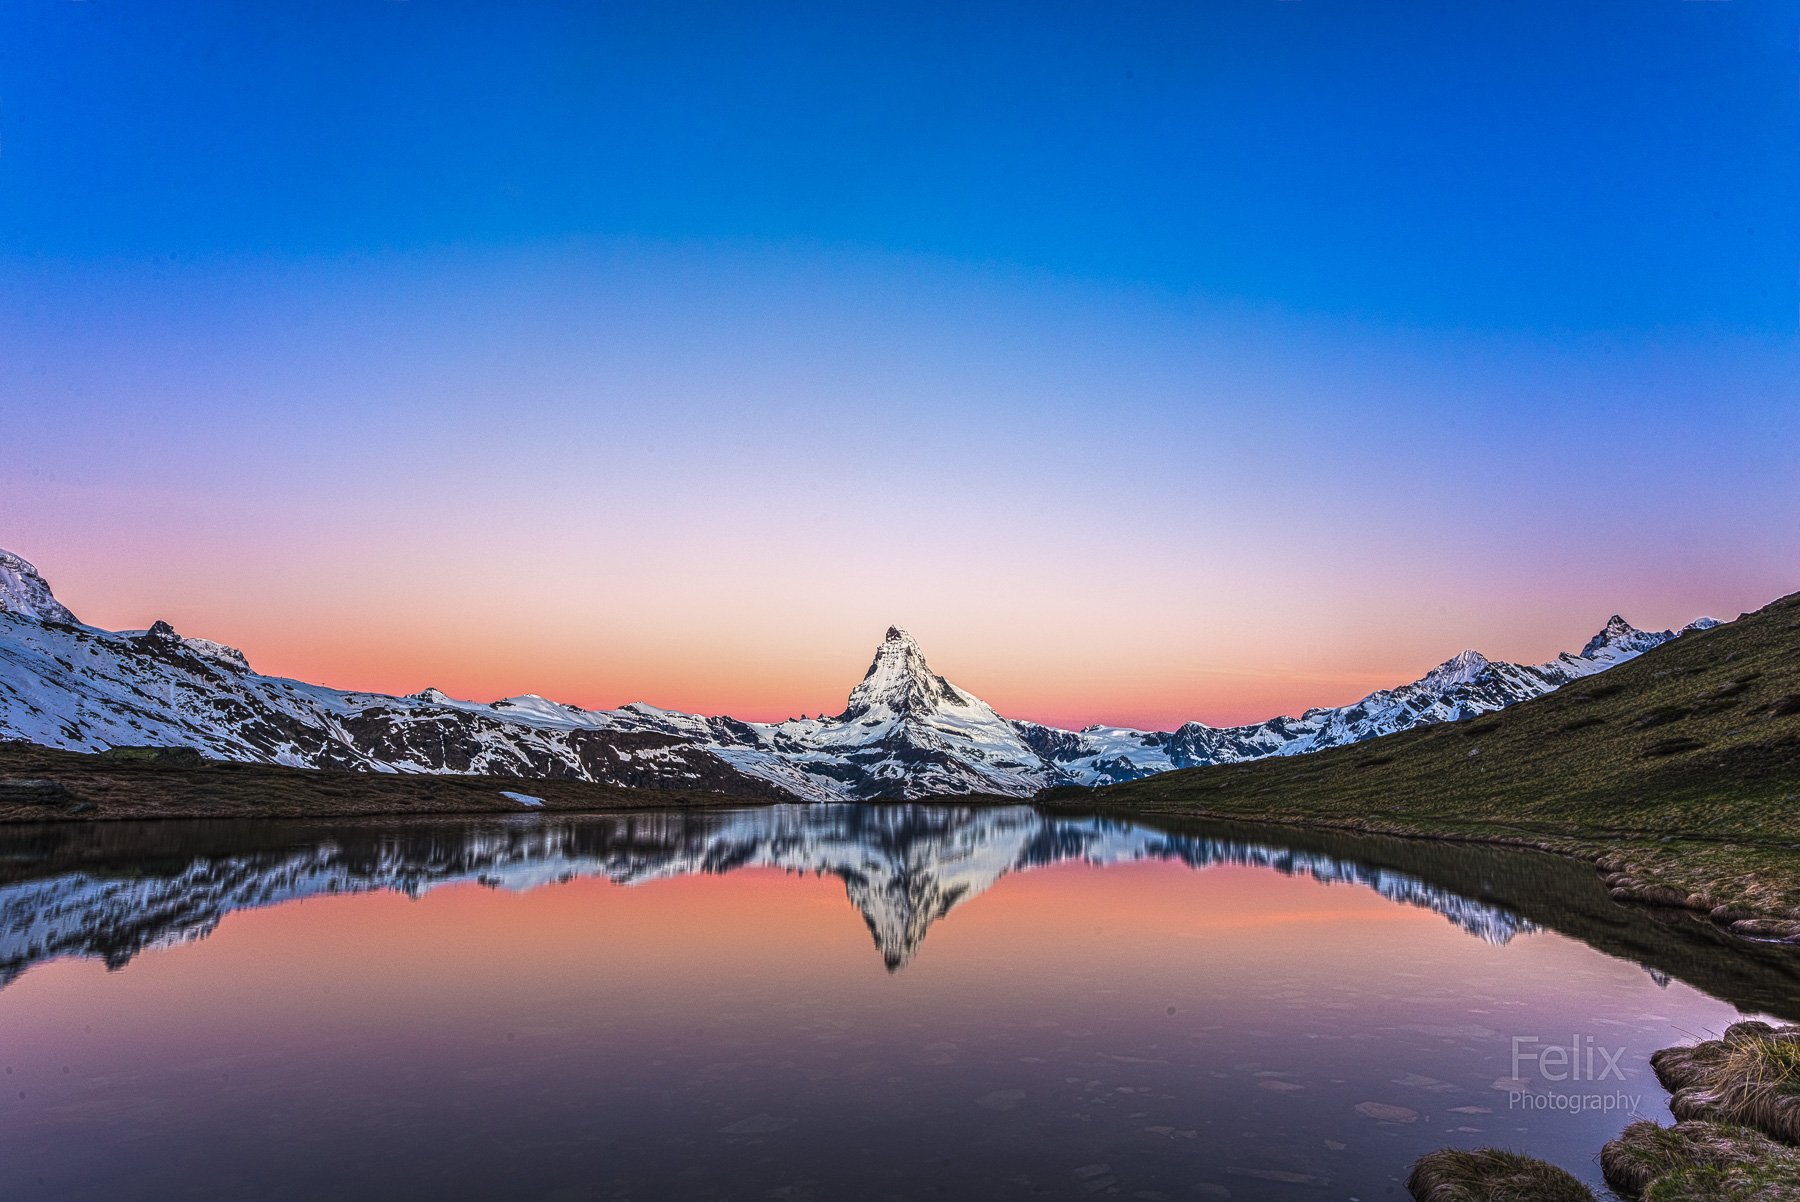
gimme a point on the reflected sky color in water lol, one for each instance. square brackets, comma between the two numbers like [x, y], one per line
[1070, 1030]
[903, 868]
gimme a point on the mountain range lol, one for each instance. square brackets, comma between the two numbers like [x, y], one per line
[903, 868]
[905, 733]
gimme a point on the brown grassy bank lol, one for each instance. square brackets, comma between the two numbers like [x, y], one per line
[40, 784]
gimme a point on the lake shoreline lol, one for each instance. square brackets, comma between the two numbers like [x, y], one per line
[1649, 869]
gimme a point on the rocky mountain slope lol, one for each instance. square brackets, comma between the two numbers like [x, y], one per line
[905, 732]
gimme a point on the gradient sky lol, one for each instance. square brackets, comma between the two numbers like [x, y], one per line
[1149, 361]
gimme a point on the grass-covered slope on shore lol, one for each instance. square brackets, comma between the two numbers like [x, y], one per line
[40, 784]
[1679, 772]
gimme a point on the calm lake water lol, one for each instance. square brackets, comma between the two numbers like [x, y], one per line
[813, 1002]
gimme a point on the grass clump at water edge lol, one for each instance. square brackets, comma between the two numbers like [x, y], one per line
[1749, 1076]
[1701, 1162]
[1491, 1175]
[1738, 1099]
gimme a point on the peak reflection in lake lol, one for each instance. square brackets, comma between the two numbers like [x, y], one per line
[683, 1005]
[903, 868]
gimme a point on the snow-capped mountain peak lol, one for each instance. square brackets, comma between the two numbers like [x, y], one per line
[1620, 638]
[1461, 668]
[26, 594]
[901, 683]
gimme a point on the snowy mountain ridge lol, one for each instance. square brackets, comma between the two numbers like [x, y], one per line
[25, 593]
[905, 732]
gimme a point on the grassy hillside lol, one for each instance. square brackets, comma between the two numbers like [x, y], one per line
[1678, 772]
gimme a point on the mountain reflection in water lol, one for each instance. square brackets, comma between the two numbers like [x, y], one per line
[1118, 1023]
[904, 867]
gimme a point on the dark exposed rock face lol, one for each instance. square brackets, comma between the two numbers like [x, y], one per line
[155, 757]
[26, 790]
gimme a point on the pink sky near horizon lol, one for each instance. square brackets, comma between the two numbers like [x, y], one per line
[710, 477]
[400, 633]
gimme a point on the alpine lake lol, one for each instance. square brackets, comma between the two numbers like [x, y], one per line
[819, 1002]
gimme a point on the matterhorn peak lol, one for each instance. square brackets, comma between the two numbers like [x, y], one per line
[27, 594]
[900, 681]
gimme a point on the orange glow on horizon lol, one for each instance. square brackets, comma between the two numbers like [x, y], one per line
[1033, 649]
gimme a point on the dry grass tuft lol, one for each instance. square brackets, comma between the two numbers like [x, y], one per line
[1725, 1183]
[1695, 1161]
[1749, 1076]
[1491, 1175]
[1738, 1097]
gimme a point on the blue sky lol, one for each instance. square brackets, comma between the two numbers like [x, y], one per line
[1421, 325]
[1594, 166]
